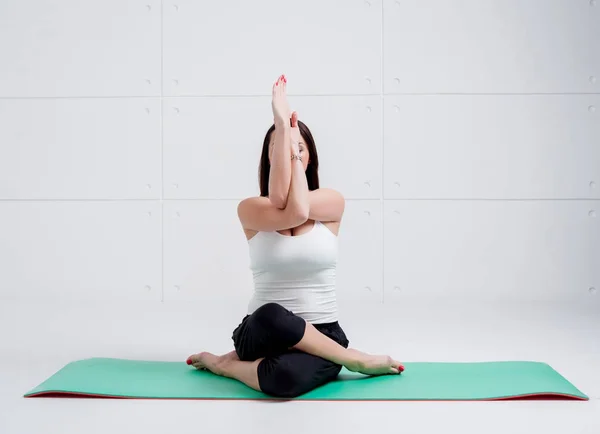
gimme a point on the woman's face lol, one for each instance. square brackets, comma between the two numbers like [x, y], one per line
[301, 146]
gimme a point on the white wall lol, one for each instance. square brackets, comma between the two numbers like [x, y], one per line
[464, 134]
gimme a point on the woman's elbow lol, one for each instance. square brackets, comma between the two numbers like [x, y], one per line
[302, 213]
[278, 201]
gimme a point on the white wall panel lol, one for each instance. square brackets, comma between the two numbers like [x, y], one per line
[87, 114]
[542, 250]
[240, 47]
[106, 250]
[212, 146]
[360, 266]
[502, 147]
[491, 46]
[80, 148]
[205, 252]
[80, 48]
[348, 136]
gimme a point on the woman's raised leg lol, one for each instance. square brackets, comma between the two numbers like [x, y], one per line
[316, 343]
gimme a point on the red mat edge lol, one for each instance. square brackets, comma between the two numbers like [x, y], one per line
[526, 397]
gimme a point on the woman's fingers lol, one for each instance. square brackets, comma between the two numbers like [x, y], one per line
[278, 88]
[280, 83]
[275, 98]
[294, 119]
[280, 106]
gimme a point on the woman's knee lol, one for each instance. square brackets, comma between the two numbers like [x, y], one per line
[280, 324]
[271, 314]
[281, 379]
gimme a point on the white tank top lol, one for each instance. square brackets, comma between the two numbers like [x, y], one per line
[298, 272]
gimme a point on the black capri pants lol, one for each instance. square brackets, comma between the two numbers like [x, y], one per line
[270, 332]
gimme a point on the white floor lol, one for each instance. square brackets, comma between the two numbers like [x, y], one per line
[38, 339]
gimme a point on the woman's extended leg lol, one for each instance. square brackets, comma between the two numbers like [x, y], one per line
[272, 330]
[316, 343]
[285, 376]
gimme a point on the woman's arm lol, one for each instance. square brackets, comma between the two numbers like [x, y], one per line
[298, 196]
[281, 169]
[326, 205]
[259, 214]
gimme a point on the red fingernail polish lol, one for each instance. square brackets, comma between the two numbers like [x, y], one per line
[401, 368]
[189, 361]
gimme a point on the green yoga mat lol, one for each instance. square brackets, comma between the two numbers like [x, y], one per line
[115, 378]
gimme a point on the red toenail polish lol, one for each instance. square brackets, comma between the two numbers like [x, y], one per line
[188, 361]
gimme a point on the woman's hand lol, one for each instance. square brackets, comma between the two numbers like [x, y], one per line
[279, 103]
[295, 135]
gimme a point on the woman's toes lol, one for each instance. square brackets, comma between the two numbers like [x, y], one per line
[197, 361]
[194, 358]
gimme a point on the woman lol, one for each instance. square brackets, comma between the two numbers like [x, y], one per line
[290, 342]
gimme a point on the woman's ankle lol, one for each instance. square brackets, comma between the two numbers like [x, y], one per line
[355, 360]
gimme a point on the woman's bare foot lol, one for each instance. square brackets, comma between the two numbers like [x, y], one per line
[232, 355]
[369, 364]
[205, 361]
[208, 361]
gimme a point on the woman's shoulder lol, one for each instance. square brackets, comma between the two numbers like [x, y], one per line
[328, 193]
[320, 191]
[253, 200]
[327, 190]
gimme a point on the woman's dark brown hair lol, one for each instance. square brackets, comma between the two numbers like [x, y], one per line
[312, 170]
